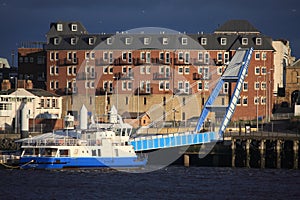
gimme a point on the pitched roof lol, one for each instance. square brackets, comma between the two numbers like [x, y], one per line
[42, 93]
[66, 29]
[237, 26]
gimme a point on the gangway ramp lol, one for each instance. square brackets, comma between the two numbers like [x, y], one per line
[172, 140]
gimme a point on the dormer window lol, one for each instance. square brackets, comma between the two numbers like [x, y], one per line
[184, 41]
[244, 41]
[74, 27]
[223, 41]
[55, 41]
[127, 41]
[203, 41]
[59, 27]
[258, 41]
[165, 41]
[109, 41]
[91, 41]
[73, 41]
[146, 41]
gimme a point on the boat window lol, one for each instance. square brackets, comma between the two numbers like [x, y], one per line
[28, 152]
[64, 152]
[116, 152]
[99, 152]
[129, 131]
[118, 132]
[93, 152]
[123, 132]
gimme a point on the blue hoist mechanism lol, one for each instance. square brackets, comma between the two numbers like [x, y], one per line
[235, 72]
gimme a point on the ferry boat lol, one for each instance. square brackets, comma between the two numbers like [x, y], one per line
[105, 145]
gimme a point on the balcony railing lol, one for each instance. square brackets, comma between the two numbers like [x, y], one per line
[164, 76]
[103, 91]
[143, 91]
[86, 76]
[65, 61]
[124, 76]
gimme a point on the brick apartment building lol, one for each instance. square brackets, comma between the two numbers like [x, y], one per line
[169, 76]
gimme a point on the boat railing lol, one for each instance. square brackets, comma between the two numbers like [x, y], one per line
[52, 142]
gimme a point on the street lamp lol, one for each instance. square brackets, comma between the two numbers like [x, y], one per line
[257, 102]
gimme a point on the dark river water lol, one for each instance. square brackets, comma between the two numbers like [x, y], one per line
[174, 182]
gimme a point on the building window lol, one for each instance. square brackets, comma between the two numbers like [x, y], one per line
[257, 70]
[220, 70]
[148, 57]
[223, 41]
[200, 56]
[109, 41]
[244, 41]
[187, 87]
[238, 102]
[126, 100]
[146, 41]
[56, 56]
[258, 41]
[257, 56]
[142, 55]
[180, 56]
[200, 85]
[167, 57]
[124, 85]
[127, 41]
[206, 58]
[245, 101]
[263, 70]
[59, 27]
[184, 41]
[73, 41]
[225, 88]
[263, 100]
[180, 70]
[91, 41]
[187, 70]
[145, 100]
[220, 56]
[124, 56]
[161, 85]
[167, 85]
[226, 58]
[74, 27]
[245, 86]
[206, 85]
[205, 73]
[256, 85]
[55, 41]
[187, 58]
[180, 85]
[129, 57]
[203, 41]
[165, 41]
[263, 85]
[256, 100]
[264, 55]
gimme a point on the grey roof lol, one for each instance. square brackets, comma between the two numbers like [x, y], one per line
[41, 93]
[66, 29]
[234, 41]
[239, 26]
[235, 31]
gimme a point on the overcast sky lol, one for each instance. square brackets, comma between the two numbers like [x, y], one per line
[29, 20]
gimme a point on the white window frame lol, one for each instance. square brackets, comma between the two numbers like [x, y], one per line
[206, 85]
[91, 41]
[256, 85]
[200, 83]
[127, 41]
[223, 41]
[180, 56]
[219, 56]
[184, 41]
[206, 58]
[257, 68]
[187, 70]
[165, 41]
[245, 98]
[220, 70]
[180, 67]
[59, 27]
[256, 100]
[263, 100]
[200, 58]
[226, 58]
[161, 85]
[263, 85]
[146, 41]
[203, 41]
[56, 41]
[167, 85]
[245, 86]
[263, 70]
[244, 41]
[225, 88]
[187, 57]
[109, 41]
[74, 27]
[73, 41]
[257, 55]
[258, 41]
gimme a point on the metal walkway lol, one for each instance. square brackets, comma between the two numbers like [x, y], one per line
[235, 72]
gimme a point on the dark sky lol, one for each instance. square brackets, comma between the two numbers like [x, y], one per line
[29, 20]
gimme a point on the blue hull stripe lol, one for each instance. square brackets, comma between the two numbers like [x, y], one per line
[80, 162]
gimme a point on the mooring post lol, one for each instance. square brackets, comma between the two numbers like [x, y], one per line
[262, 153]
[186, 160]
[278, 151]
[248, 142]
[233, 152]
[296, 148]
